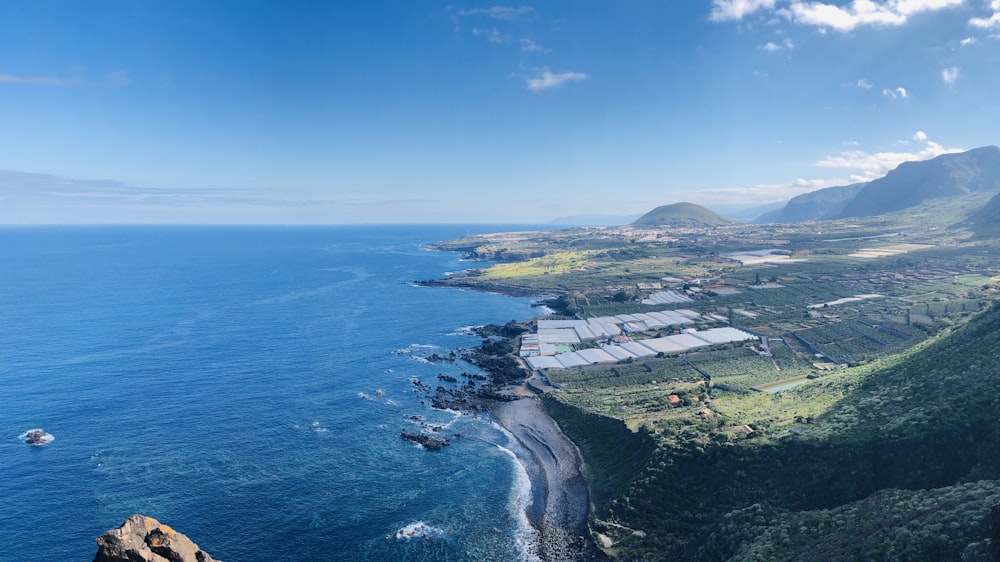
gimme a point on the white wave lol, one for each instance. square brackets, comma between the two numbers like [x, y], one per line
[413, 346]
[464, 331]
[418, 530]
[364, 396]
[358, 273]
[526, 538]
[455, 416]
[295, 295]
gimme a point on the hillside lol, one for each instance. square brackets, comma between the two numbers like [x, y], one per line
[903, 466]
[911, 183]
[680, 214]
[986, 222]
[823, 204]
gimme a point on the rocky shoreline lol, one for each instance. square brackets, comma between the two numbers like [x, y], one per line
[553, 463]
[481, 286]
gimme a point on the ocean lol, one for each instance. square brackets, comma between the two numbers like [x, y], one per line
[246, 386]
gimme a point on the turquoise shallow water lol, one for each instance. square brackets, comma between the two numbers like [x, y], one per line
[224, 381]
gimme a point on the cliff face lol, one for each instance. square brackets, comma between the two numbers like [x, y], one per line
[144, 539]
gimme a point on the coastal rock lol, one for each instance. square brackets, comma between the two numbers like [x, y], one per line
[36, 437]
[430, 443]
[144, 539]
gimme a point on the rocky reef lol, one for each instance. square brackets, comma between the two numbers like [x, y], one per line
[36, 437]
[430, 443]
[144, 539]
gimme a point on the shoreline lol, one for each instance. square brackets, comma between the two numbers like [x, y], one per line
[555, 468]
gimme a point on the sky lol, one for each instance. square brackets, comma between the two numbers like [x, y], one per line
[416, 111]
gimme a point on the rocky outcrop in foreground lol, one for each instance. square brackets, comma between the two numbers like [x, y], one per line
[144, 539]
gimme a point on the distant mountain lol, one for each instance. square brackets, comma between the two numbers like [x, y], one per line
[912, 183]
[817, 205]
[594, 220]
[743, 213]
[680, 214]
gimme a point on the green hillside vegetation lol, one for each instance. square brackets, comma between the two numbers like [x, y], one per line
[680, 214]
[923, 421]
[986, 221]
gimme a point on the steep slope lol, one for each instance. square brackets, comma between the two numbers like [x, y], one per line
[986, 221]
[680, 214]
[924, 422]
[914, 182]
[817, 205]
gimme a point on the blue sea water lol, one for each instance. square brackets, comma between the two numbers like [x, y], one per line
[226, 381]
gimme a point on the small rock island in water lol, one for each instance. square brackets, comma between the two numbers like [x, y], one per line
[36, 437]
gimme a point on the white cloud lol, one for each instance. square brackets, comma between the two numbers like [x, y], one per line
[761, 194]
[950, 75]
[723, 10]
[771, 46]
[860, 166]
[498, 12]
[873, 166]
[967, 41]
[991, 22]
[862, 83]
[528, 45]
[842, 18]
[895, 93]
[544, 79]
[38, 80]
[493, 35]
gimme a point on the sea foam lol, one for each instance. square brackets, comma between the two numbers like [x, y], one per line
[418, 530]
[526, 538]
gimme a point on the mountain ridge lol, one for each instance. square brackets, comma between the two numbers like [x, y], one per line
[907, 185]
[912, 183]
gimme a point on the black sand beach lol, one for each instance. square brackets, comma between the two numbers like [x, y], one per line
[556, 470]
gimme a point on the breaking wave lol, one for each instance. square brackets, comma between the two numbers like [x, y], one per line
[526, 538]
[418, 530]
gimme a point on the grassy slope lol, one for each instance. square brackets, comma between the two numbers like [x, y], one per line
[924, 420]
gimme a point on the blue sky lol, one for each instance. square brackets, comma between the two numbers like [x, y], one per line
[419, 111]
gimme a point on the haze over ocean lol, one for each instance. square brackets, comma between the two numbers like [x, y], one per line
[224, 380]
